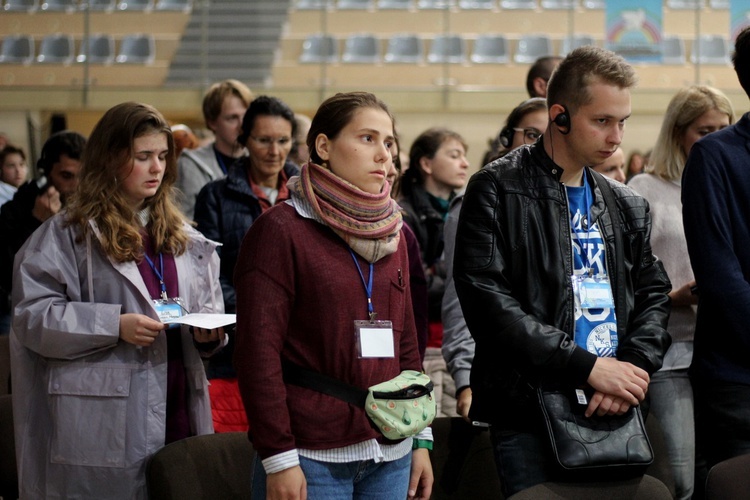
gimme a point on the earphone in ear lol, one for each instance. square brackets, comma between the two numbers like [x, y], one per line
[506, 137]
[562, 120]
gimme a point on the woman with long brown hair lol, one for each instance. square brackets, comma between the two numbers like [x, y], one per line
[101, 379]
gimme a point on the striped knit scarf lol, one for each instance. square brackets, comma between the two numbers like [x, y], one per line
[369, 223]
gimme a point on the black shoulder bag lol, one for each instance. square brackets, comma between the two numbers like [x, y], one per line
[608, 446]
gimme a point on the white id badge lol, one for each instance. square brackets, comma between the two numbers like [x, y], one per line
[374, 339]
[168, 310]
[594, 292]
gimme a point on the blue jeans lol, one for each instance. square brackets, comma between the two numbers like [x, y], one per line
[345, 481]
[671, 397]
[523, 459]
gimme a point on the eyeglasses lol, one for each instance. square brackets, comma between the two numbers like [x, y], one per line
[267, 142]
[530, 135]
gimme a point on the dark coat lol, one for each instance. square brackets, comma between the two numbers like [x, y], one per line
[512, 268]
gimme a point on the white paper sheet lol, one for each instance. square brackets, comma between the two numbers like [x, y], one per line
[203, 320]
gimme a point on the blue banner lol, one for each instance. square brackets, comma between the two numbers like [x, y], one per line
[634, 29]
[739, 17]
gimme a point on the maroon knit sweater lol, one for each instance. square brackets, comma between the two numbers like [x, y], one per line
[298, 295]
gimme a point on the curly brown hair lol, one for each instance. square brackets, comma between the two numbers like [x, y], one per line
[109, 154]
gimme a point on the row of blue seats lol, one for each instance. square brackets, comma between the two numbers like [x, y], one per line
[60, 49]
[96, 5]
[491, 4]
[487, 49]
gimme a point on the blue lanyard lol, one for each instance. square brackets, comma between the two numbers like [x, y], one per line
[158, 274]
[587, 202]
[368, 285]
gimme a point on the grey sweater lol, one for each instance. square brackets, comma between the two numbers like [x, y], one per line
[668, 243]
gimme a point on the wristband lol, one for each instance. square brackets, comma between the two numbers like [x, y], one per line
[421, 443]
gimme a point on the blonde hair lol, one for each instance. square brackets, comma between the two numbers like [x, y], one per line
[108, 153]
[668, 158]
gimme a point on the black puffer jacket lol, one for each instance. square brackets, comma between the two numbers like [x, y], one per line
[427, 224]
[513, 267]
[224, 211]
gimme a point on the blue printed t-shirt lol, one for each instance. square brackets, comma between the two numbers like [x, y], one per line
[595, 329]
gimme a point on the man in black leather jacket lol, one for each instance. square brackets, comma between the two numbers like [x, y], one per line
[526, 253]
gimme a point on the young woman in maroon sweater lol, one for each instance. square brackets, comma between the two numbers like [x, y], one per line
[308, 271]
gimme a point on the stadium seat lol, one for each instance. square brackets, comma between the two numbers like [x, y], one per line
[56, 49]
[477, 4]
[174, 5]
[395, 4]
[136, 49]
[356, 4]
[532, 47]
[361, 48]
[17, 49]
[447, 49]
[710, 49]
[101, 49]
[559, 4]
[435, 4]
[673, 50]
[59, 5]
[518, 4]
[685, 4]
[319, 48]
[404, 48]
[139, 5]
[490, 49]
[314, 4]
[98, 5]
[20, 5]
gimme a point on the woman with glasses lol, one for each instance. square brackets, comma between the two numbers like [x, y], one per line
[524, 125]
[224, 211]
[101, 379]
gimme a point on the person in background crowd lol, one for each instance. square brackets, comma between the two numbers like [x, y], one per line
[225, 210]
[223, 107]
[308, 271]
[539, 75]
[533, 113]
[715, 195]
[693, 112]
[417, 279]
[184, 138]
[524, 125]
[614, 167]
[533, 228]
[13, 172]
[439, 169]
[35, 202]
[100, 380]
[299, 155]
[636, 164]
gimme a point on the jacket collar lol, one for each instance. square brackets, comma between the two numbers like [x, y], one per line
[237, 177]
[544, 161]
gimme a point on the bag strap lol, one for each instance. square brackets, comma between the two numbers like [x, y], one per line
[614, 214]
[309, 379]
